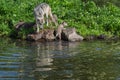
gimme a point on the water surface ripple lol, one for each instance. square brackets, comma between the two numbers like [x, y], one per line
[93, 60]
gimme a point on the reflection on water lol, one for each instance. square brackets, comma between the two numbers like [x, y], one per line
[97, 60]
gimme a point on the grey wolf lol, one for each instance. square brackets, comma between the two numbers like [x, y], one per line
[40, 11]
[60, 28]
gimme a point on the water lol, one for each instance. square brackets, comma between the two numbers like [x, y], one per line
[92, 60]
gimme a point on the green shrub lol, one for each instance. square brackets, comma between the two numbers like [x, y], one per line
[87, 17]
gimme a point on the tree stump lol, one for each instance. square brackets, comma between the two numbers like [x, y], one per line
[46, 34]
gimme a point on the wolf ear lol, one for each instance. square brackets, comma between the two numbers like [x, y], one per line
[64, 23]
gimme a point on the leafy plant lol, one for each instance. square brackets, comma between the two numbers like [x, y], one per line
[86, 16]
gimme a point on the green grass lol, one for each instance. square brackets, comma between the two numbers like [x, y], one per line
[87, 17]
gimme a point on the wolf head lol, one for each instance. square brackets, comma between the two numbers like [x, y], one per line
[64, 24]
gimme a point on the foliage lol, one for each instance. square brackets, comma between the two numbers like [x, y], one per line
[87, 17]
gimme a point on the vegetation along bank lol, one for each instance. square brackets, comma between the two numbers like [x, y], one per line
[88, 17]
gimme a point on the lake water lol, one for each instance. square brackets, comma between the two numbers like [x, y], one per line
[87, 60]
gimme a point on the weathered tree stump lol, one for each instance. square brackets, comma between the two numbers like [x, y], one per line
[46, 34]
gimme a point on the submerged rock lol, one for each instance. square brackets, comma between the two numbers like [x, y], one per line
[95, 37]
[102, 36]
[90, 37]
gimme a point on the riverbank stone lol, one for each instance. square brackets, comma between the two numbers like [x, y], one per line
[70, 34]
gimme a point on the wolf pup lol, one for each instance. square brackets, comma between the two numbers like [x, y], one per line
[40, 11]
[60, 28]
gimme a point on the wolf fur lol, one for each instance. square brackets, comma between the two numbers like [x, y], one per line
[60, 28]
[40, 11]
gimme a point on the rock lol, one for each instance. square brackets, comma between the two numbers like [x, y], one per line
[46, 35]
[26, 25]
[35, 36]
[95, 37]
[90, 37]
[102, 36]
[69, 34]
[115, 38]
